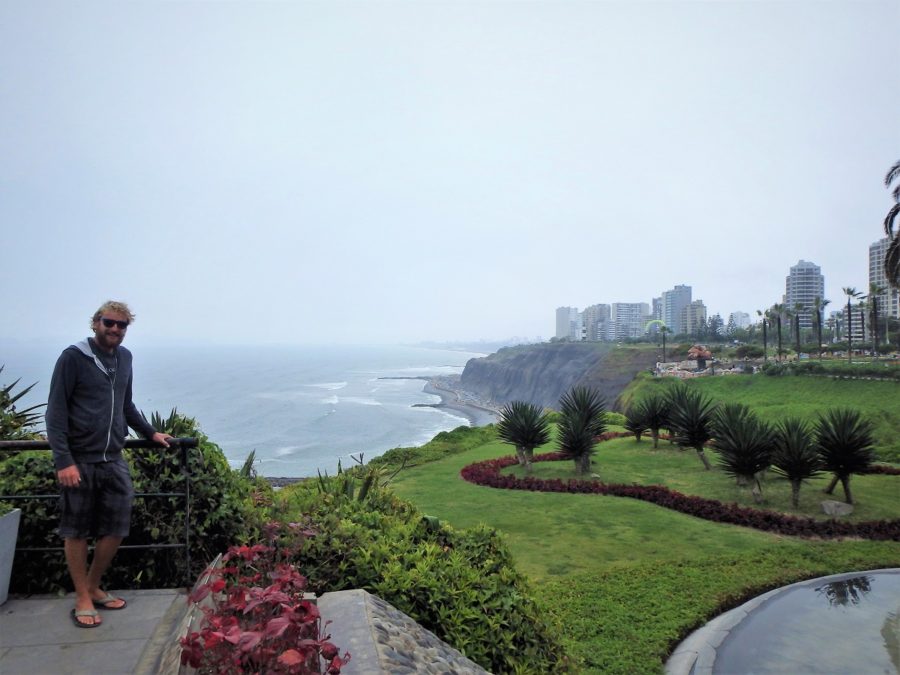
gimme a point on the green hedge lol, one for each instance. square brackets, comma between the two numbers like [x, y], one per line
[223, 512]
[461, 585]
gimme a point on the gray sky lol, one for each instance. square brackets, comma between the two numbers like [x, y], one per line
[395, 171]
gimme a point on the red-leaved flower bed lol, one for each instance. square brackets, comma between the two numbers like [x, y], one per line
[487, 473]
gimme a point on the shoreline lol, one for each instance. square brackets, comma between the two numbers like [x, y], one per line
[477, 413]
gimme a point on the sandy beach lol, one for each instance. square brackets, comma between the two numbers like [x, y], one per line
[478, 415]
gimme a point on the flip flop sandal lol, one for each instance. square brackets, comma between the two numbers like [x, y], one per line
[93, 613]
[104, 603]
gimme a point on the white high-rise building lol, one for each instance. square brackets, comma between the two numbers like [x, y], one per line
[568, 323]
[693, 316]
[596, 322]
[739, 319]
[889, 300]
[803, 285]
[673, 304]
[627, 319]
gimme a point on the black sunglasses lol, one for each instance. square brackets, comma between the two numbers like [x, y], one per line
[109, 323]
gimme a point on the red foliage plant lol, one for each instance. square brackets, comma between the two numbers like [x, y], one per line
[249, 627]
[487, 473]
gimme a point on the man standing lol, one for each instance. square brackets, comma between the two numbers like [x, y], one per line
[88, 414]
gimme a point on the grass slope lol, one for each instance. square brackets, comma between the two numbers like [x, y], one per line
[775, 398]
[626, 580]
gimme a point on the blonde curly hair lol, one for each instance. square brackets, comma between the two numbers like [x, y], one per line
[113, 306]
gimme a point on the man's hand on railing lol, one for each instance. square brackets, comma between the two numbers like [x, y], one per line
[161, 438]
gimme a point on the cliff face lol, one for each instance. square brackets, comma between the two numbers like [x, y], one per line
[541, 374]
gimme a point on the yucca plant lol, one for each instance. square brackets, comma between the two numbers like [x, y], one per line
[844, 441]
[795, 456]
[690, 419]
[581, 420]
[17, 425]
[525, 426]
[635, 422]
[654, 410]
[744, 444]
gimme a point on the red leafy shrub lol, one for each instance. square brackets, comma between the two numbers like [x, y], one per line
[256, 619]
[882, 469]
[487, 473]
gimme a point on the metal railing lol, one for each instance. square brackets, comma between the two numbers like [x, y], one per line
[182, 444]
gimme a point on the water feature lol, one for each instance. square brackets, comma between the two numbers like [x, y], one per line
[846, 623]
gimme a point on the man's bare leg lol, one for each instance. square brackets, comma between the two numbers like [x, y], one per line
[76, 558]
[104, 551]
[87, 581]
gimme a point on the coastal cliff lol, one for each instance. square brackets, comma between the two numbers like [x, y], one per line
[542, 373]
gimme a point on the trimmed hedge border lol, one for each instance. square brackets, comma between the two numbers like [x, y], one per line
[487, 473]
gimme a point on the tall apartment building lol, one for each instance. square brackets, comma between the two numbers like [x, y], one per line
[595, 320]
[693, 317]
[568, 323]
[803, 285]
[739, 319]
[627, 319]
[673, 303]
[889, 300]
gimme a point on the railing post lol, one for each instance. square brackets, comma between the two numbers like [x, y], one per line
[187, 514]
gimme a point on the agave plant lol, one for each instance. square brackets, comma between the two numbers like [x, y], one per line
[581, 420]
[795, 456]
[690, 419]
[525, 426]
[844, 441]
[635, 421]
[654, 410]
[744, 444]
[17, 425]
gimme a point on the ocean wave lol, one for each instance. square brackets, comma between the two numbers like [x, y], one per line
[360, 400]
[331, 386]
[331, 400]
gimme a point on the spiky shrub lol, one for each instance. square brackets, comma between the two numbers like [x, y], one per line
[795, 456]
[581, 421]
[844, 440]
[690, 419]
[654, 410]
[744, 444]
[635, 422]
[17, 425]
[524, 426]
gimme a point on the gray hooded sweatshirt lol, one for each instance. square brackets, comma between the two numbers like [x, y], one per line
[89, 408]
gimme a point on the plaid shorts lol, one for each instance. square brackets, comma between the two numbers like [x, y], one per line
[101, 505]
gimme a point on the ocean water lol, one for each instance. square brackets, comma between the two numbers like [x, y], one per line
[302, 409]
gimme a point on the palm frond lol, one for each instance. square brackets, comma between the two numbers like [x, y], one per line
[845, 441]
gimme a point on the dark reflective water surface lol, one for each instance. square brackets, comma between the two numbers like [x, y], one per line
[841, 624]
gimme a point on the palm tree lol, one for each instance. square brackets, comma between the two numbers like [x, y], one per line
[662, 331]
[851, 294]
[582, 419]
[744, 444]
[764, 315]
[524, 426]
[892, 256]
[690, 418]
[819, 304]
[795, 456]
[654, 410]
[844, 440]
[778, 310]
[635, 422]
[874, 291]
[798, 310]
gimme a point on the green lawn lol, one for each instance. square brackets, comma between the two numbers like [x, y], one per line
[626, 580]
[624, 460]
[775, 398]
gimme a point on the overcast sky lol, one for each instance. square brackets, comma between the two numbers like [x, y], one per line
[398, 171]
